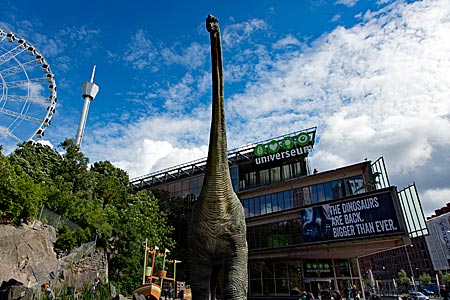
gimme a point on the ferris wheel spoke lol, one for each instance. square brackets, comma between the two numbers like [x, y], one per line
[11, 54]
[19, 68]
[24, 83]
[33, 99]
[20, 116]
[10, 134]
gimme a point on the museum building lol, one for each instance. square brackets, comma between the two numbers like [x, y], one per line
[306, 230]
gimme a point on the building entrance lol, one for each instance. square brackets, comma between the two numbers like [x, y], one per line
[322, 287]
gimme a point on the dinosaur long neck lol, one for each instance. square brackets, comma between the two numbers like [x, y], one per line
[217, 176]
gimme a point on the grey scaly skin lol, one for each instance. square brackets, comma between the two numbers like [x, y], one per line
[217, 233]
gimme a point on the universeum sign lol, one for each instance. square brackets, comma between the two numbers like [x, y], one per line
[287, 147]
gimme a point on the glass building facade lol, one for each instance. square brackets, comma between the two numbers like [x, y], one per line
[276, 188]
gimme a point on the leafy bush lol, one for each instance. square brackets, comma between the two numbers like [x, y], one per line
[98, 199]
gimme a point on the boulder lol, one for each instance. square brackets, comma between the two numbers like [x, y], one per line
[15, 290]
[26, 253]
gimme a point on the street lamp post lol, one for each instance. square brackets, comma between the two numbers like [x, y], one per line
[175, 262]
[164, 264]
[410, 266]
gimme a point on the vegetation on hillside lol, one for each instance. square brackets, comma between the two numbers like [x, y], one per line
[96, 197]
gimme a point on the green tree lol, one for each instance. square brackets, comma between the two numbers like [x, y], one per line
[112, 184]
[445, 276]
[141, 220]
[403, 280]
[425, 278]
[39, 161]
[20, 197]
[74, 169]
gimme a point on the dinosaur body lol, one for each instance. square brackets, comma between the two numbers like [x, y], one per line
[218, 245]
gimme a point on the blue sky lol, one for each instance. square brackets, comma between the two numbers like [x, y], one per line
[373, 76]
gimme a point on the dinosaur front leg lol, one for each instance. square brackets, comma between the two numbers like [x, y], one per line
[201, 277]
[235, 275]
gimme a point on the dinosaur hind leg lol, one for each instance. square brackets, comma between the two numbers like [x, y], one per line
[235, 277]
[201, 278]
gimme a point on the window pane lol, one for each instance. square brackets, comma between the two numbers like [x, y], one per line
[242, 185]
[267, 205]
[275, 174]
[307, 195]
[328, 191]
[282, 287]
[286, 172]
[252, 179]
[251, 238]
[296, 169]
[185, 184]
[288, 199]
[251, 207]
[264, 177]
[314, 196]
[298, 198]
[320, 193]
[255, 269]
[245, 205]
[280, 200]
[257, 207]
[338, 191]
[275, 207]
[256, 287]
[267, 270]
[355, 185]
[269, 287]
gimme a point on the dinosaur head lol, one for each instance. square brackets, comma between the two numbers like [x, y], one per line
[212, 24]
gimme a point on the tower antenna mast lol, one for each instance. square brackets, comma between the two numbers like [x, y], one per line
[89, 91]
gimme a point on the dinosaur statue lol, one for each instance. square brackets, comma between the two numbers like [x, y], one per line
[217, 233]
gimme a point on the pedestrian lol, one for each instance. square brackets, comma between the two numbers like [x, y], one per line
[50, 294]
[96, 284]
[303, 296]
[355, 292]
[170, 290]
[347, 293]
[444, 293]
[337, 295]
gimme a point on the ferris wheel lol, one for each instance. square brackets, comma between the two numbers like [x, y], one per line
[28, 97]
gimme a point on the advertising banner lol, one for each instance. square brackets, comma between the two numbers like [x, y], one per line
[362, 217]
[438, 241]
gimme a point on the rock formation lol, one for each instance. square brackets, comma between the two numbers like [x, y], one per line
[27, 256]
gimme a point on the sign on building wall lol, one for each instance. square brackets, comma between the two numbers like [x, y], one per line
[288, 147]
[366, 216]
[318, 268]
[438, 241]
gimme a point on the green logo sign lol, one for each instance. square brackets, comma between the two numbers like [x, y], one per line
[273, 147]
[287, 143]
[303, 139]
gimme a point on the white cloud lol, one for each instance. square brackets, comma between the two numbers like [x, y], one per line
[236, 33]
[150, 155]
[349, 3]
[377, 89]
[191, 57]
[287, 41]
[435, 198]
[141, 52]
